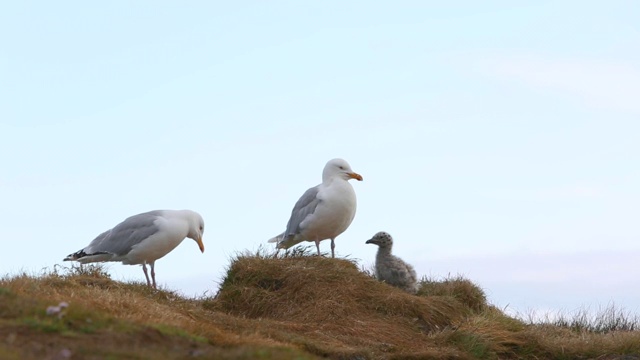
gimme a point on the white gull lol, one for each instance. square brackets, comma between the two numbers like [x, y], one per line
[143, 239]
[324, 211]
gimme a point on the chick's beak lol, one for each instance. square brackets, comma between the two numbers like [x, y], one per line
[370, 241]
[200, 244]
[355, 176]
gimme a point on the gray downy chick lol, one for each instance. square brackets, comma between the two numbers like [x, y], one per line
[391, 269]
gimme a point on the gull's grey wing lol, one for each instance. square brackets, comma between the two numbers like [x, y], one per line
[124, 236]
[305, 206]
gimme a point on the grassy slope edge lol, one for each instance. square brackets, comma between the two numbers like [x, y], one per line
[292, 307]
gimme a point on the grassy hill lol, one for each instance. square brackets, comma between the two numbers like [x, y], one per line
[292, 307]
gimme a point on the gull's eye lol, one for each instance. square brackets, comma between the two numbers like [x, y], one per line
[341, 167]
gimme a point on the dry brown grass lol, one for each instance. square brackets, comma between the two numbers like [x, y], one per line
[292, 307]
[459, 288]
[121, 320]
[333, 303]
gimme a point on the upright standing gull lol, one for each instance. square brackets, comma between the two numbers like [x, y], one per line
[143, 239]
[324, 211]
[391, 269]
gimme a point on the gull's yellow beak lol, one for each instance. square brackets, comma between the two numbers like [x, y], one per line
[355, 176]
[200, 244]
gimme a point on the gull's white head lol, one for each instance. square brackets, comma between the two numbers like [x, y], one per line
[196, 228]
[340, 168]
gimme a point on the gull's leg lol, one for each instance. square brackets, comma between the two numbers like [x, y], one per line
[144, 268]
[333, 246]
[318, 246]
[153, 273]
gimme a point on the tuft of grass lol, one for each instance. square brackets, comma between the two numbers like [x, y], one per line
[94, 270]
[610, 318]
[317, 289]
[332, 295]
[298, 252]
[473, 344]
[459, 288]
[489, 334]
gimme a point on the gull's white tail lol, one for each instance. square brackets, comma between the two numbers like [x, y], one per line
[276, 239]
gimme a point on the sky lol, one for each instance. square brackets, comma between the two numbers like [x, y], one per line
[498, 140]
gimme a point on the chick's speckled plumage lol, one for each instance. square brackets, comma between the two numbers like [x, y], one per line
[391, 269]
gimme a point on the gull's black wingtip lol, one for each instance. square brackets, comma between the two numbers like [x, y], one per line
[75, 256]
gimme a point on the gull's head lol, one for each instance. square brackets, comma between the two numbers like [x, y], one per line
[382, 239]
[196, 228]
[339, 168]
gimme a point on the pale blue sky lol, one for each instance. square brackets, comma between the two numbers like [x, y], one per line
[496, 140]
